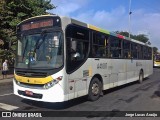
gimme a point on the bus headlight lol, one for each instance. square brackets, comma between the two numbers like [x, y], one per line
[52, 83]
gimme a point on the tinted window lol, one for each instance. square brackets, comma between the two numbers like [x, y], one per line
[134, 50]
[150, 53]
[77, 32]
[126, 49]
[100, 45]
[147, 53]
[77, 47]
[115, 47]
[140, 51]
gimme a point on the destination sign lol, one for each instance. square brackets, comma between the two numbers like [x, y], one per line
[37, 24]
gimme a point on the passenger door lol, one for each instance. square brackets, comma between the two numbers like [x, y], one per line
[77, 47]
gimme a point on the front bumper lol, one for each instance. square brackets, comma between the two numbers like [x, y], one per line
[53, 94]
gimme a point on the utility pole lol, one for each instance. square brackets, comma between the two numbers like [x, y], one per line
[129, 22]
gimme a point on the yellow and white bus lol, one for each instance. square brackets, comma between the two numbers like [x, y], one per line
[60, 58]
[157, 60]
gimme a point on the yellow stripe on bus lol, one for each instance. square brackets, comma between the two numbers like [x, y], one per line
[158, 63]
[93, 27]
[30, 80]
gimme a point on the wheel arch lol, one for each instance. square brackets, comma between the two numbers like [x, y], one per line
[99, 77]
[141, 70]
[141, 76]
[96, 80]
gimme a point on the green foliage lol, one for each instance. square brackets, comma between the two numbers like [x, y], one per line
[155, 50]
[13, 12]
[142, 38]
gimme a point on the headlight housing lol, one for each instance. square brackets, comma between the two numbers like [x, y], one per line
[52, 83]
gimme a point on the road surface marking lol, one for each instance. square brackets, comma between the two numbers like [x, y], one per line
[7, 107]
[6, 94]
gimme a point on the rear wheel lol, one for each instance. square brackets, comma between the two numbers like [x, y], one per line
[141, 76]
[95, 89]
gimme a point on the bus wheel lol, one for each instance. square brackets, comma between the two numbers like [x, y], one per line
[141, 76]
[95, 89]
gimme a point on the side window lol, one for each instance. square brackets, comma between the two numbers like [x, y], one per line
[78, 50]
[100, 45]
[126, 49]
[147, 53]
[77, 46]
[134, 50]
[115, 47]
[150, 53]
[144, 51]
[140, 51]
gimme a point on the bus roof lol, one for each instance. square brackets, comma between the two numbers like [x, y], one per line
[74, 21]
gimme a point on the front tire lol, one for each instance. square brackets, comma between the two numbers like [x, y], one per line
[95, 89]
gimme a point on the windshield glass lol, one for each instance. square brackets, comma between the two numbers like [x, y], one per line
[157, 57]
[44, 50]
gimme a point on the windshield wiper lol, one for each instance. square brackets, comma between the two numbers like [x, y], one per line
[25, 49]
[38, 43]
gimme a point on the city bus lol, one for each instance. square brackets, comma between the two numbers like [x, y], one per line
[60, 58]
[157, 60]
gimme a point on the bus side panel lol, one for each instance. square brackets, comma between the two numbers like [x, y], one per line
[79, 79]
[102, 67]
[122, 75]
[149, 68]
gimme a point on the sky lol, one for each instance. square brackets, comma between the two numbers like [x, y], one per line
[113, 15]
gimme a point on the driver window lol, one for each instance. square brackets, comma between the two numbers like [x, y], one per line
[78, 50]
[77, 46]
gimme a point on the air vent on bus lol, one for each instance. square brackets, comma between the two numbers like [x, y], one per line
[31, 74]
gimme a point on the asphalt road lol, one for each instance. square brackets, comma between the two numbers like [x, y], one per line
[130, 97]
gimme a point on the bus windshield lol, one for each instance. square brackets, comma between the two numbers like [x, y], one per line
[43, 50]
[157, 58]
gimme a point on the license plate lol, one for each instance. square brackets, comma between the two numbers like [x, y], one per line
[29, 92]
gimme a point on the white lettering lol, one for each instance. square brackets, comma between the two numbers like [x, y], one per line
[129, 115]
[151, 114]
[34, 115]
[19, 114]
[139, 115]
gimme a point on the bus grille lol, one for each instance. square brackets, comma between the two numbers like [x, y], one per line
[31, 74]
[33, 86]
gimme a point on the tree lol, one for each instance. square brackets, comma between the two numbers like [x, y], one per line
[142, 38]
[13, 12]
[155, 50]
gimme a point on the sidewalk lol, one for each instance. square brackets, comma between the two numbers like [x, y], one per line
[6, 80]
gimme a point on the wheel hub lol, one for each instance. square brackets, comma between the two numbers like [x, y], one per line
[95, 89]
